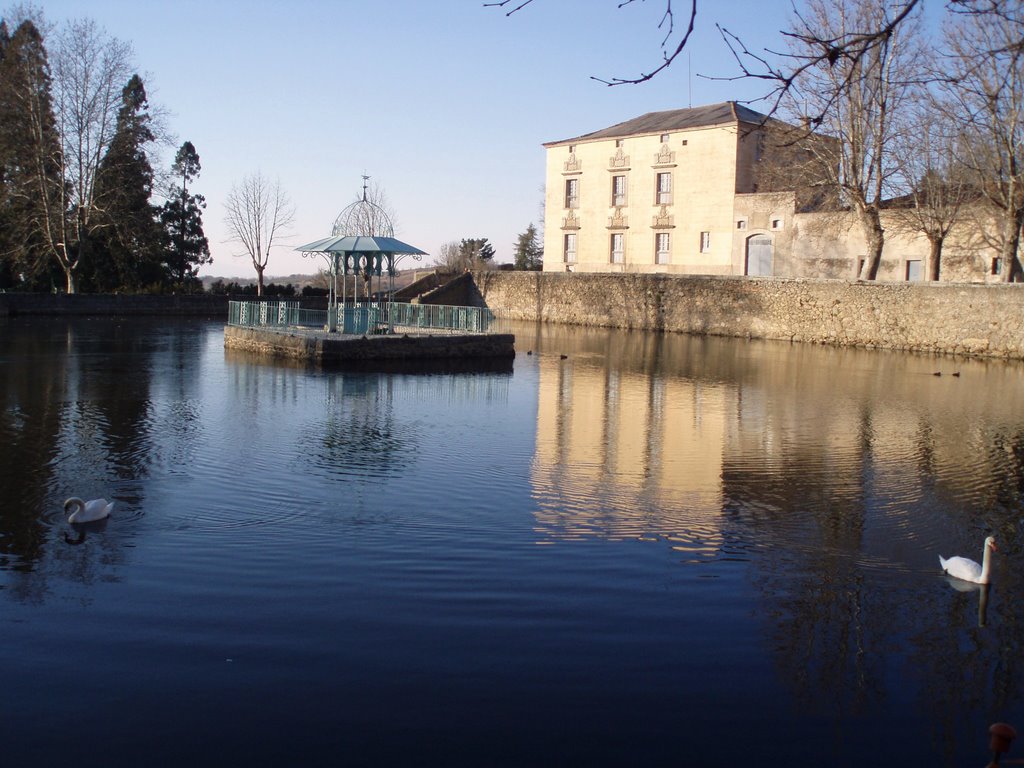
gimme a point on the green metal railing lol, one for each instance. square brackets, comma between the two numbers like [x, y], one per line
[439, 316]
[274, 314]
[363, 319]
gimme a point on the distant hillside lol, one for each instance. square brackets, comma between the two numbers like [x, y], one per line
[403, 279]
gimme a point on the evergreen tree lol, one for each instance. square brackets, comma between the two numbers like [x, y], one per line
[529, 253]
[7, 241]
[128, 249]
[475, 251]
[31, 185]
[186, 246]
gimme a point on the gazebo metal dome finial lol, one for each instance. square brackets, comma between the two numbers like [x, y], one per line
[363, 218]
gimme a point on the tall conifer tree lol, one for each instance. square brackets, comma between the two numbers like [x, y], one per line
[129, 255]
[528, 253]
[186, 246]
[31, 185]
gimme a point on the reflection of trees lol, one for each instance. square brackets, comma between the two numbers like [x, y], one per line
[881, 471]
[1006, 459]
[846, 471]
[115, 371]
[31, 399]
[829, 636]
[77, 416]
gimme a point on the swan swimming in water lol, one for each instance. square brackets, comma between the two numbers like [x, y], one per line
[966, 569]
[87, 511]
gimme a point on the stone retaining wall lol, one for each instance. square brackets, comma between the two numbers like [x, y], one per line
[457, 292]
[984, 320]
[321, 348]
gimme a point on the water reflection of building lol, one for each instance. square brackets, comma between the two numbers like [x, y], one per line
[641, 434]
[627, 453]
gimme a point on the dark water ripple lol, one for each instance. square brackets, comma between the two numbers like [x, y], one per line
[590, 561]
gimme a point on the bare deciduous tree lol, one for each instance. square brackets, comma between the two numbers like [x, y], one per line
[257, 213]
[672, 44]
[853, 100]
[939, 190]
[985, 83]
[451, 258]
[90, 70]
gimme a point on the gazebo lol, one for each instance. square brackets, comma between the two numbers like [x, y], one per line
[362, 243]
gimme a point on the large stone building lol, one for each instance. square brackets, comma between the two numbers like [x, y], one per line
[676, 192]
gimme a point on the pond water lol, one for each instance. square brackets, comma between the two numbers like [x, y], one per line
[627, 549]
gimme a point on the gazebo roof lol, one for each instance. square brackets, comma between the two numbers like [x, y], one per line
[360, 244]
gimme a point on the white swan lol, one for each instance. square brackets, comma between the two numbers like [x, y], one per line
[87, 511]
[966, 569]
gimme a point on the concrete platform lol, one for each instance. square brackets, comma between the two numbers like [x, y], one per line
[336, 349]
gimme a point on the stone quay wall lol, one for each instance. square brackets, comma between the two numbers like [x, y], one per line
[959, 319]
[321, 348]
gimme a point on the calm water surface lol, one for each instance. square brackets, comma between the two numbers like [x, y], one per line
[655, 551]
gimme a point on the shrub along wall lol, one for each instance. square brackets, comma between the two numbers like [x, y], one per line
[985, 320]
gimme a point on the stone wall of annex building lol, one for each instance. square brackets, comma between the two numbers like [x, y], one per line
[986, 320]
[831, 245]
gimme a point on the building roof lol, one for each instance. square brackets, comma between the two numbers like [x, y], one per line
[726, 113]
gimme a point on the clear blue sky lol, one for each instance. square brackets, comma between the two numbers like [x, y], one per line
[444, 103]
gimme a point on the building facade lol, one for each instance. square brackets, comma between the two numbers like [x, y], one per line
[675, 192]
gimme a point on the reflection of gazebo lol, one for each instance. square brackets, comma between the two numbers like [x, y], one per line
[362, 243]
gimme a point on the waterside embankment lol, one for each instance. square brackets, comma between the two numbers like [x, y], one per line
[322, 348]
[959, 319]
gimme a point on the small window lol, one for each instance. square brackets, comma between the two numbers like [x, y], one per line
[618, 142]
[572, 149]
[618, 191]
[663, 194]
[663, 248]
[664, 138]
[741, 224]
[572, 193]
[684, 142]
[776, 223]
[705, 242]
[618, 248]
[570, 248]
[997, 266]
[914, 271]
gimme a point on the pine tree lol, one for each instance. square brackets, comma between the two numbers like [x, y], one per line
[476, 251]
[186, 246]
[32, 206]
[7, 240]
[528, 252]
[128, 250]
